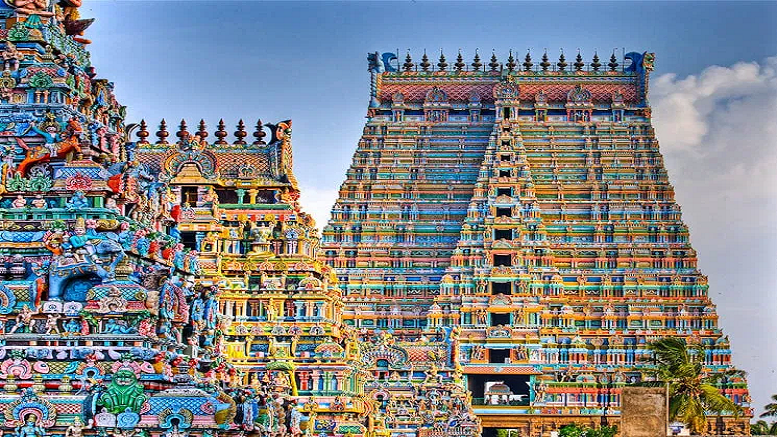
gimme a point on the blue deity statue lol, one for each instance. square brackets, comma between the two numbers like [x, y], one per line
[78, 201]
[30, 428]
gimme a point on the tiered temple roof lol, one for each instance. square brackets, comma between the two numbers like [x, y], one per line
[528, 208]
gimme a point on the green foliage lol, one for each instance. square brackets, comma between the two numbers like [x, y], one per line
[692, 392]
[90, 318]
[501, 432]
[763, 428]
[586, 431]
[771, 408]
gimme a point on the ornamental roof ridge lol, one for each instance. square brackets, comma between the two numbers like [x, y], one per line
[627, 62]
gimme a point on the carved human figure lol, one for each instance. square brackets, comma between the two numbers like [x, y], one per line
[78, 201]
[295, 422]
[80, 243]
[75, 429]
[19, 202]
[23, 320]
[30, 428]
[52, 324]
[39, 201]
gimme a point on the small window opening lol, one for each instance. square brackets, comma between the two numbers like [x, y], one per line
[500, 234]
[189, 240]
[500, 319]
[499, 356]
[500, 288]
[189, 194]
[504, 212]
[502, 261]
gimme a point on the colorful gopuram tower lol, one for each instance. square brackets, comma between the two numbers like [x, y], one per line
[236, 204]
[97, 307]
[527, 209]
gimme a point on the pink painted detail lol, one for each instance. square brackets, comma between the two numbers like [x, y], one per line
[78, 181]
[19, 369]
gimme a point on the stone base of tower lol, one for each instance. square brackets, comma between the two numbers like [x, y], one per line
[542, 425]
[535, 425]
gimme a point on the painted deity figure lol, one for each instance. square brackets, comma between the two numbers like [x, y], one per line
[197, 312]
[175, 432]
[78, 201]
[52, 324]
[30, 428]
[72, 327]
[110, 203]
[80, 243]
[19, 202]
[113, 327]
[75, 429]
[23, 320]
[39, 201]
[210, 315]
[124, 392]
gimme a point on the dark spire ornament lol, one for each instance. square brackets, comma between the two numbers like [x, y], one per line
[240, 133]
[562, 62]
[579, 64]
[162, 133]
[459, 65]
[202, 131]
[143, 132]
[259, 133]
[476, 64]
[494, 64]
[613, 62]
[511, 62]
[596, 64]
[442, 65]
[545, 64]
[425, 62]
[527, 64]
[182, 134]
[408, 65]
[221, 132]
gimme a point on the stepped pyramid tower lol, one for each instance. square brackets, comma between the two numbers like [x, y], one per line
[527, 208]
[235, 202]
[98, 312]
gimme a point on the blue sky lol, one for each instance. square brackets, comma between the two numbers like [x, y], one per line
[714, 92]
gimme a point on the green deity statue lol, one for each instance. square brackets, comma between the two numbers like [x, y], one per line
[124, 392]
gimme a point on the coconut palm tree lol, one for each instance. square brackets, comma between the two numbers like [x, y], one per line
[692, 392]
[763, 428]
[771, 408]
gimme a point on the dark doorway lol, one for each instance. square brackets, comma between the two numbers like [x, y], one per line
[498, 356]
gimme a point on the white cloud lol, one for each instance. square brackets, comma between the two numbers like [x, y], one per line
[718, 132]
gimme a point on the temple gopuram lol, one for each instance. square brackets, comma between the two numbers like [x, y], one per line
[504, 247]
[98, 304]
[524, 211]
